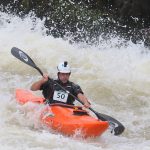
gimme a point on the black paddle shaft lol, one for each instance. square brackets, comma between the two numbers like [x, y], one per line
[116, 127]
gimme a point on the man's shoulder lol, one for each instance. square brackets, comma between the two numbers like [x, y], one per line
[73, 84]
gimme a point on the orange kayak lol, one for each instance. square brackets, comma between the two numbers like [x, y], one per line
[66, 119]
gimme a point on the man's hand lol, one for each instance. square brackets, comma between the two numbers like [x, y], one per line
[36, 86]
[45, 78]
[87, 104]
[84, 100]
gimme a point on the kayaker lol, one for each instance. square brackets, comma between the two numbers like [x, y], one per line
[54, 94]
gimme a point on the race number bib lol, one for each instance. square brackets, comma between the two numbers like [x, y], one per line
[60, 96]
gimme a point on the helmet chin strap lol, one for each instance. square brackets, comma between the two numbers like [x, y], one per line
[58, 75]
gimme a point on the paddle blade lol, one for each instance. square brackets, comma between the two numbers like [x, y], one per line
[116, 127]
[22, 56]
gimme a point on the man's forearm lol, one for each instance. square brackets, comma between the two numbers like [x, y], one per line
[37, 85]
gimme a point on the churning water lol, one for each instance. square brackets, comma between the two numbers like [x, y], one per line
[115, 78]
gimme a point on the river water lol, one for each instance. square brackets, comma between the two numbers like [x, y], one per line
[115, 78]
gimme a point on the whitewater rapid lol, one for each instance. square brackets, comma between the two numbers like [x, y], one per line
[114, 76]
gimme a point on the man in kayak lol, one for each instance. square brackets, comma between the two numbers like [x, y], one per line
[53, 93]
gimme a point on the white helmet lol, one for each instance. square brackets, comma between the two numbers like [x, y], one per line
[64, 67]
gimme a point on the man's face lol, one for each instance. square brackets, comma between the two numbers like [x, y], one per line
[64, 77]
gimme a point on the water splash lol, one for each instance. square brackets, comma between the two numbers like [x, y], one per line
[115, 78]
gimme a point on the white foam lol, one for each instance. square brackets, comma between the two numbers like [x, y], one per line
[116, 79]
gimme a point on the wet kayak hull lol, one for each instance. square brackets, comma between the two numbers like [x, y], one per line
[66, 119]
